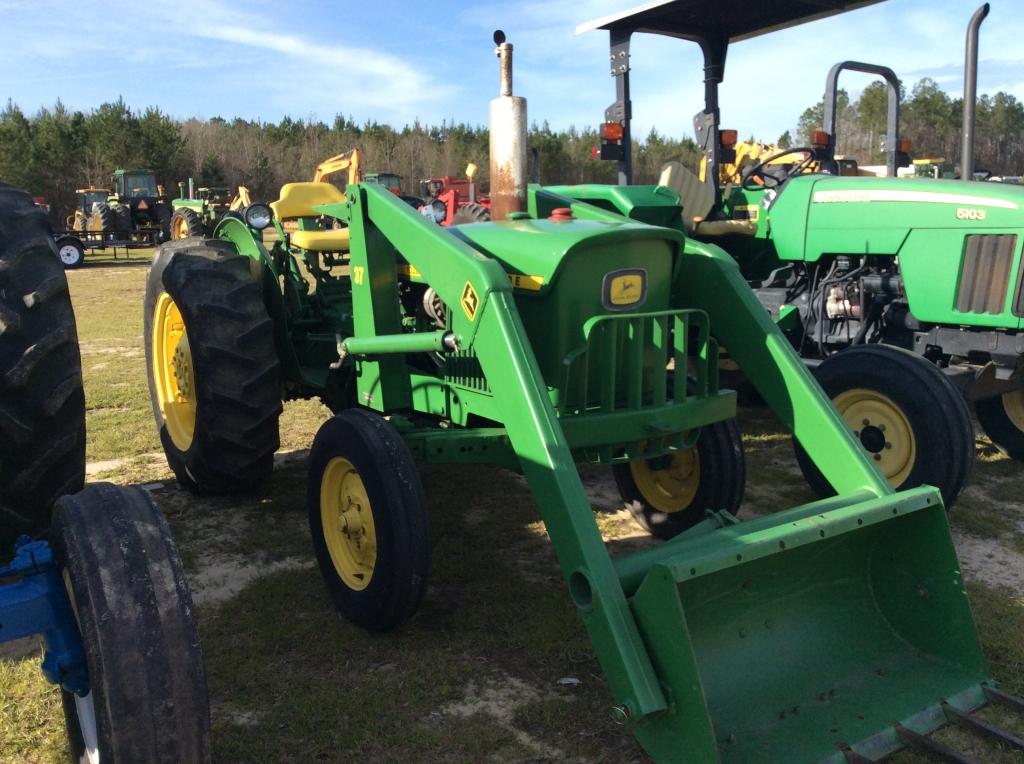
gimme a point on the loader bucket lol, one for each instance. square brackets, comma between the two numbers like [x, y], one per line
[801, 635]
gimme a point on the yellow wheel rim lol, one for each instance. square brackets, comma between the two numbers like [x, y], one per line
[1013, 405]
[173, 373]
[347, 521]
[882, 429]
[673, 488]
[181, 228]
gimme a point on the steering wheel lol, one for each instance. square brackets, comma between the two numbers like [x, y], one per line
[758, 178]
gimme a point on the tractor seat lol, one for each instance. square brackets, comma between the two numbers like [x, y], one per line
[298, 200]
[697, 199]
[333, 240]
[696, 196]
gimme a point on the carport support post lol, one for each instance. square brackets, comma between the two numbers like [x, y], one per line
[622, 110]
[705, 123]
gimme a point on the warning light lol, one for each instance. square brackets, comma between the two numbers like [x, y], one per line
[612, 131]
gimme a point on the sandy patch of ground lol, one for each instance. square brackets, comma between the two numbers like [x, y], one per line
[499, 698]
[221, 578]
[989, 562]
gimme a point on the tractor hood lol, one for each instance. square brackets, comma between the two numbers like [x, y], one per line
[823, 214]
[538, 251]
[958, 242]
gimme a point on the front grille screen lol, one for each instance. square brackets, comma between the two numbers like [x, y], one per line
[985, 274]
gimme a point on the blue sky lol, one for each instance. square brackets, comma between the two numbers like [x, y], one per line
[396, 61]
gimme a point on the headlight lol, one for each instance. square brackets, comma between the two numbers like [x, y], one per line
[439, 210]
[258, 216]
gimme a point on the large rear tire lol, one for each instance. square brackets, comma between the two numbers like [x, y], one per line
[42, 405]
[666, 495]
[368, 519]
[102, 218]
[147, 698]
[471, 213]
[214, 375]
[122, 218]
[185, 223]
[1002, 419]
[910, 419]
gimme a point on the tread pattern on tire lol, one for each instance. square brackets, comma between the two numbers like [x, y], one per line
[952, 446]
[196, 228]
[138, 628]
[235, 363]
[471, 213]
[42, 404]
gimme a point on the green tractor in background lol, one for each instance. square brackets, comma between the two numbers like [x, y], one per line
[137, 208]
[199, 212]
[536, 342]
[905, 295]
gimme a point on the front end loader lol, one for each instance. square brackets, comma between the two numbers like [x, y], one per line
[567, 333]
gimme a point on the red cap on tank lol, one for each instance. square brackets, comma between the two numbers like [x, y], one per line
[561, 214]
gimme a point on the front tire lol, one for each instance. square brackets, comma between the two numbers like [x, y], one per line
[1002, 419]
[214, 375]
[42, 405]
[147, 699]
[910, 419]
[666, 495]
[368, 519]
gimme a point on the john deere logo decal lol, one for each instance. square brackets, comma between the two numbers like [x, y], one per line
[470, 302]
[624, 289]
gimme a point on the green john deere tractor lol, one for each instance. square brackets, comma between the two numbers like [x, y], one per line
[904, 294]
[534, 343]
[198, 213]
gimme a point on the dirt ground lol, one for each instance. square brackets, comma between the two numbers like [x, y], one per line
[496, 665]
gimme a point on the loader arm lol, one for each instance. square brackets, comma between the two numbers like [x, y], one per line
[350, 160]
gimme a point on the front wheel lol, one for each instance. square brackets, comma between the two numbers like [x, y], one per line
[368, 519]
[668, 494]
[909, 418]
[1002, 419]
[147, 699]
[70, 251]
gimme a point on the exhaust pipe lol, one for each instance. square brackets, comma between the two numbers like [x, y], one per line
[970, 92]
[508, 140]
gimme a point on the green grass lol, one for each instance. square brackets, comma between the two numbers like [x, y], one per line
[474, 677]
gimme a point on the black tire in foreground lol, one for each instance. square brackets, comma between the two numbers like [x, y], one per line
[185, 223]
[911, 420]
[147, 700]
[42, 406]
[70, 251]
[1002, 419]
[666, 495]
[471, 213]
[214, 375]
[368, 518]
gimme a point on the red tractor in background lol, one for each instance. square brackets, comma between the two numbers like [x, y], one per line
[454, 201]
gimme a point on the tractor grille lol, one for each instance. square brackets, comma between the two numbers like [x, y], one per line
[985, 273]
[463, 368]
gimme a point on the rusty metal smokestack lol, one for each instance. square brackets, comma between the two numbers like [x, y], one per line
[508, 140]
[970, 92]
